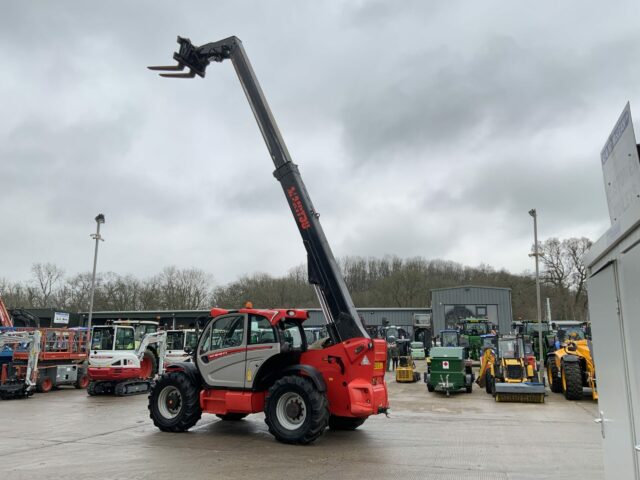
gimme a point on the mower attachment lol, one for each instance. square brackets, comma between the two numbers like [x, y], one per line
[525, 392]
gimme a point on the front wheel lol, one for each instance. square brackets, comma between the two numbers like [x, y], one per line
[488, 379]
[174, 403]
[82, 381]
[555, 382]
[571, 381]
[295, 411]
[45, 385]
[344, 423]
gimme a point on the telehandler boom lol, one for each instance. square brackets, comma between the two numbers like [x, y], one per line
[253, 360]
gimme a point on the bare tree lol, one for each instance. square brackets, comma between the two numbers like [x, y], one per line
[45, 277]
[184, 289]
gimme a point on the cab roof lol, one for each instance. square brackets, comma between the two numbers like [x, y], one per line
[274, 316]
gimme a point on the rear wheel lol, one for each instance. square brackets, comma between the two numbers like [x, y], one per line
[295, 411]
[555, 382]
[232, 417]
[174, 403]
[344, 423]
[572, 381]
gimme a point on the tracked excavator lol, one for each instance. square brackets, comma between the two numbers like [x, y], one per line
[12, 383]
[121, 365]
[337, 382]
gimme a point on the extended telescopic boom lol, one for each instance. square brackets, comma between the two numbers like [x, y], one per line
[342, 318]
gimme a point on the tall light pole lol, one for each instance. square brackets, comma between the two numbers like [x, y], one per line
[96, 236]
[536, 254]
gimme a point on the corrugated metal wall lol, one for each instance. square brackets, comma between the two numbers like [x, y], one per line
[400, 317]
[472, 295]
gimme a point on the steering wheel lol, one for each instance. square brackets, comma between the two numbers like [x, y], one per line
[231, 342]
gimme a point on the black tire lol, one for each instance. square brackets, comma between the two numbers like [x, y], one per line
[469, 388]
[430, 388]
[344, 423]
[487, 382]
[232, 417]
[493, 386]
[555, 382]
[573, 379]
[302, 393]
[174, 387]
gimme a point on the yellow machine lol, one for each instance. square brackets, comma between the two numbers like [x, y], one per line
[406, 369]
[487, 359]
[570, 367]
[507, 374]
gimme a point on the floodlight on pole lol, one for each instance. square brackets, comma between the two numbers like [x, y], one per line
[536, 253]
[96, 236]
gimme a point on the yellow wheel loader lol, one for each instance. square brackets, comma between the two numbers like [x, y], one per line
[570, 367]
[507, 377]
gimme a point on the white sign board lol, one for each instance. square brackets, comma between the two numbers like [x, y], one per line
[621, 166]
[60, 317]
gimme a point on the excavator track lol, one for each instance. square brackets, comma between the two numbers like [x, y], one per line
[133, 387]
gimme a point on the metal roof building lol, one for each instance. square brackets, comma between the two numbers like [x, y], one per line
[400, 317]
[454, 303]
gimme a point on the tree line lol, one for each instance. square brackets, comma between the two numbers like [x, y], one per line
[390, 281]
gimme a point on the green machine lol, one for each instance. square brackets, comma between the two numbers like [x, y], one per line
[448, 371]
[471, 331]
[529, 330]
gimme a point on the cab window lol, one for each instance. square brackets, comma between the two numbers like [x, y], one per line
[224, 332]
[191, 340]
[125, 338]
[260, 331]
[102, 338]
[175, 340]
[291, 334]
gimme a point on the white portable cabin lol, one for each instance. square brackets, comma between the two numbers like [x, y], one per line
[613, 283]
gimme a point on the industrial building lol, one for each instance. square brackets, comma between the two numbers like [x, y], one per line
[399, 317]
[455, 303]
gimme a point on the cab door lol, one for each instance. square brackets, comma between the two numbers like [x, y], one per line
[222, 351]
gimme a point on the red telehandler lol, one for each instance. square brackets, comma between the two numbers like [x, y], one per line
[253, 360]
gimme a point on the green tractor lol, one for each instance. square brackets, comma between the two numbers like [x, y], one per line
[529, 329]
[471, 331]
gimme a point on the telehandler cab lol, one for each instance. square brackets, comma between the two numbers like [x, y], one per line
[338, 384]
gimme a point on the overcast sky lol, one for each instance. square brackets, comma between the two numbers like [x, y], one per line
[421, 128]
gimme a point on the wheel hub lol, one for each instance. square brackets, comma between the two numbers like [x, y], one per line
[170, 402]
[291, 410]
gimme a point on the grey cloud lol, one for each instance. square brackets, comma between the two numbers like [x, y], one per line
[378, 101]
[504, 88]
